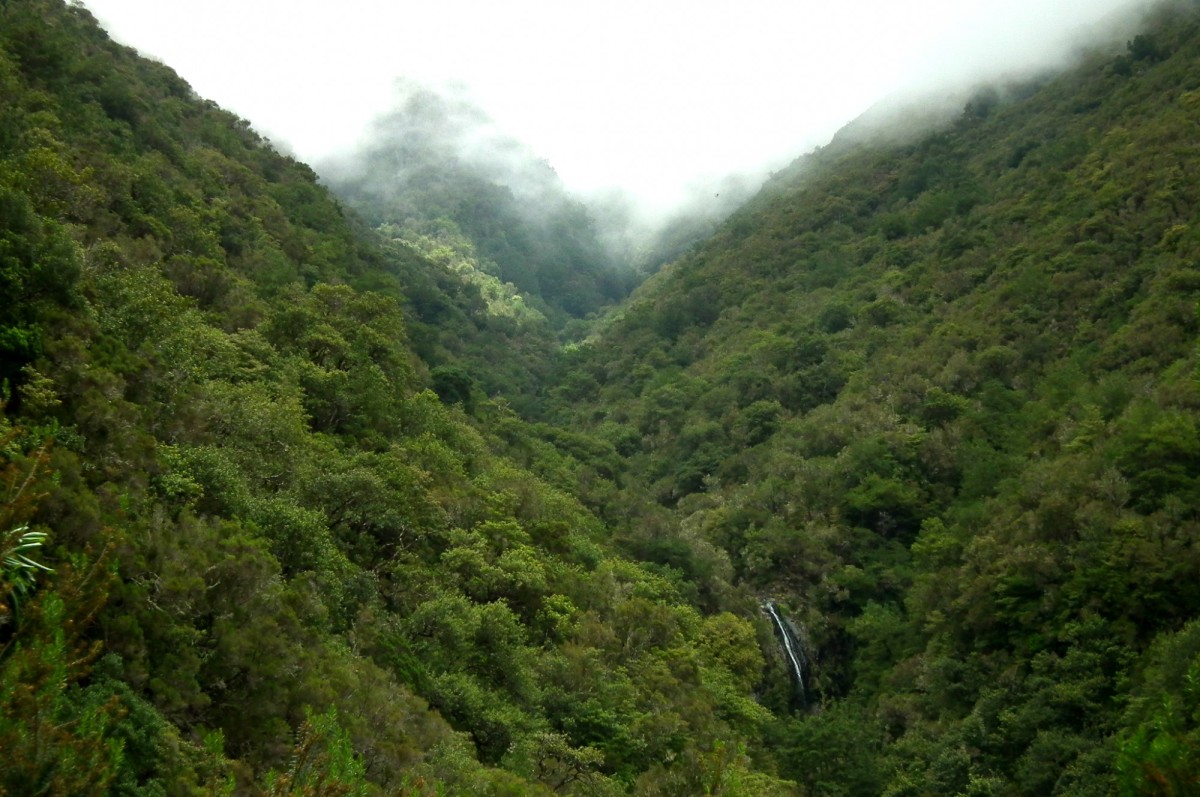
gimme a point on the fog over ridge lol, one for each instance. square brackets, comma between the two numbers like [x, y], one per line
[659, 100]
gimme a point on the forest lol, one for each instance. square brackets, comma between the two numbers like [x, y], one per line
[399, 481]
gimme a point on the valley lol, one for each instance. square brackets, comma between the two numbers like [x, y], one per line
[396, 475]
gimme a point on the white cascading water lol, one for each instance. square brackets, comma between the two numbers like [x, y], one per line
[789, 644]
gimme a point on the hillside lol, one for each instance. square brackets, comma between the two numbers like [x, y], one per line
[254, 542]
[437, 168]
[888, 487]
[939, 399]
[520, 263]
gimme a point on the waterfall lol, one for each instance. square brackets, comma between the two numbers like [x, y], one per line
[793, 649]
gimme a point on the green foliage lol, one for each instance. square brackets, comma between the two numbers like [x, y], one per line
[39, 266]
[721, 771]
[1158, 755]
[939, 395]
[454, 386]
[323, 763]
[17, 545]
[939, 391]
[427, 173]
[56, 739]
[313, 534]
[549, 758]
[835, 752]
[53, 741]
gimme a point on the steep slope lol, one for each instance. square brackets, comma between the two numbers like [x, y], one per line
[939, 398]
[437, 167]
[245, 549]
[520, 261]
[935, 401]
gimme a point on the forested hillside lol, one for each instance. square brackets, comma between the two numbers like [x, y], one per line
[520, 262]
[254, 543]
[293, 503]
[940, 400]
[437, 172]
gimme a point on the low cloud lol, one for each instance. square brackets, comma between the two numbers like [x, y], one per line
[646, 98]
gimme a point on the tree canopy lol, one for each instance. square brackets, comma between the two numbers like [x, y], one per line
[295, 500]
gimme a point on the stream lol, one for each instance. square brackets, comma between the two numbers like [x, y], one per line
[792, 647]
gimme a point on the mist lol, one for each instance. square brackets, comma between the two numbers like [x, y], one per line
[438, 149]
[439, 175]
[440, 128]
[959, 76]
[652, 99]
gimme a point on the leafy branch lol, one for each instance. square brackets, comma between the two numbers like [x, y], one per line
[20, 571]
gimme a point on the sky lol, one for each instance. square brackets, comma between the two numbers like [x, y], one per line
[648, 96]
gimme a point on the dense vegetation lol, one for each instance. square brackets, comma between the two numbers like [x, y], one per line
[246, 547]
[519, 262]
[437, 168]
[940, 398]
[275, 517]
